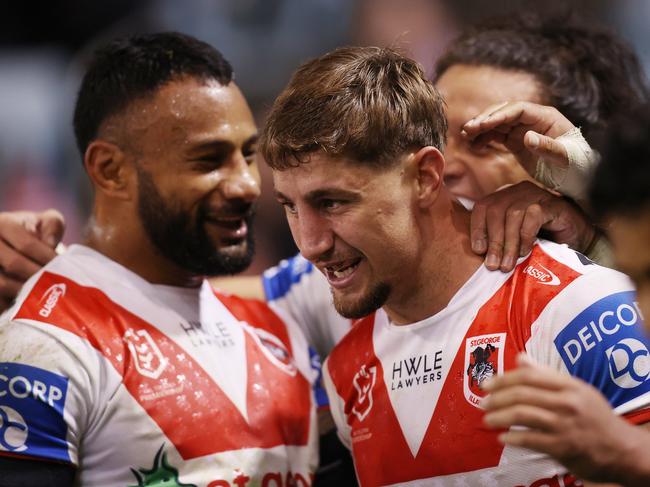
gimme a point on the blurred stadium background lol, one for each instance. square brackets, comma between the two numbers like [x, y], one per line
[43, 46]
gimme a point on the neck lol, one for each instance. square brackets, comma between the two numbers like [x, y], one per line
[125, 242]
[446, 264]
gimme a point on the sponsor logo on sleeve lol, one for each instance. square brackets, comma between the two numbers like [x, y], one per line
[629, 363]
[605, 346]
[363, 383]
[147, 357]
[483, 359]
[542, 274]
[31, 411]
[13, 430]
[51, 298]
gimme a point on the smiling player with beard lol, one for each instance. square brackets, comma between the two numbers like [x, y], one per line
[119, 364]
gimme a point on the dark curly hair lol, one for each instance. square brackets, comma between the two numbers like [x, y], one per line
[621, 182]
[132, 68]
[588, 73]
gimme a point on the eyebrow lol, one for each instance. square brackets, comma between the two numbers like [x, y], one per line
[221, 145]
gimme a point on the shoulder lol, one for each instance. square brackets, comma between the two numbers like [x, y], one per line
[287, 276]
[46, 383]
[553, 276]
[73, 287]
[588, 284]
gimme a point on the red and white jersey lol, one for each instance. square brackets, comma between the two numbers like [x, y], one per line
[407, 401]
[133, 383]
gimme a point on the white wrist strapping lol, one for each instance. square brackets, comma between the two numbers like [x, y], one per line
[570, 180]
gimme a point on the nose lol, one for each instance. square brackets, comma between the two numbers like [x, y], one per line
[242, 181]
[313, 235]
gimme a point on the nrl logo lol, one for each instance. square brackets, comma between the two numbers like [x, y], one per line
[363, 382]
[483, 359]
[148, 359]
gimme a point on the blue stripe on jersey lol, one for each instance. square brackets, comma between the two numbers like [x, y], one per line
[278, 280]
[605, 346]
[31, 412]
[319, 390]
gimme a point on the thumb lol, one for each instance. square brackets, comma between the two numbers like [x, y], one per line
[51, 226]
[552, 151]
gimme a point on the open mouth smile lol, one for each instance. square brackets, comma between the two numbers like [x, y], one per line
[341, 273]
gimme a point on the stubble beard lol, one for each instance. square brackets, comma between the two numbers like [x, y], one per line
[370, 302]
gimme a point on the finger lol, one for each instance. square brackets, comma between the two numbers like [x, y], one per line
[513, 224]
[478, 230]
[522, 415]
[15, 263]
[533, 375]
[9, 286]
[495, 224]
[20, 242]
[491, 117]
[531, 224]
[550, 149]
[51, 226]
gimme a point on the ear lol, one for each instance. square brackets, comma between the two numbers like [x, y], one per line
[430, 165]
[109, 169]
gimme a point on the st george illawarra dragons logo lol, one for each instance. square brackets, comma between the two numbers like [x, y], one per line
[483, 359]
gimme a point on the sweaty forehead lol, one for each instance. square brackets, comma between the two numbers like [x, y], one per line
[324, 174]
[191, 110]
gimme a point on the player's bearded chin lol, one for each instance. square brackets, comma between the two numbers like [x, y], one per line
[370, 302]
[181, 236]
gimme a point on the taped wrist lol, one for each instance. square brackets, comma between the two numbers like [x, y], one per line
[572, 179]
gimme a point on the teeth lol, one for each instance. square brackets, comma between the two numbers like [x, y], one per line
[343, 272]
